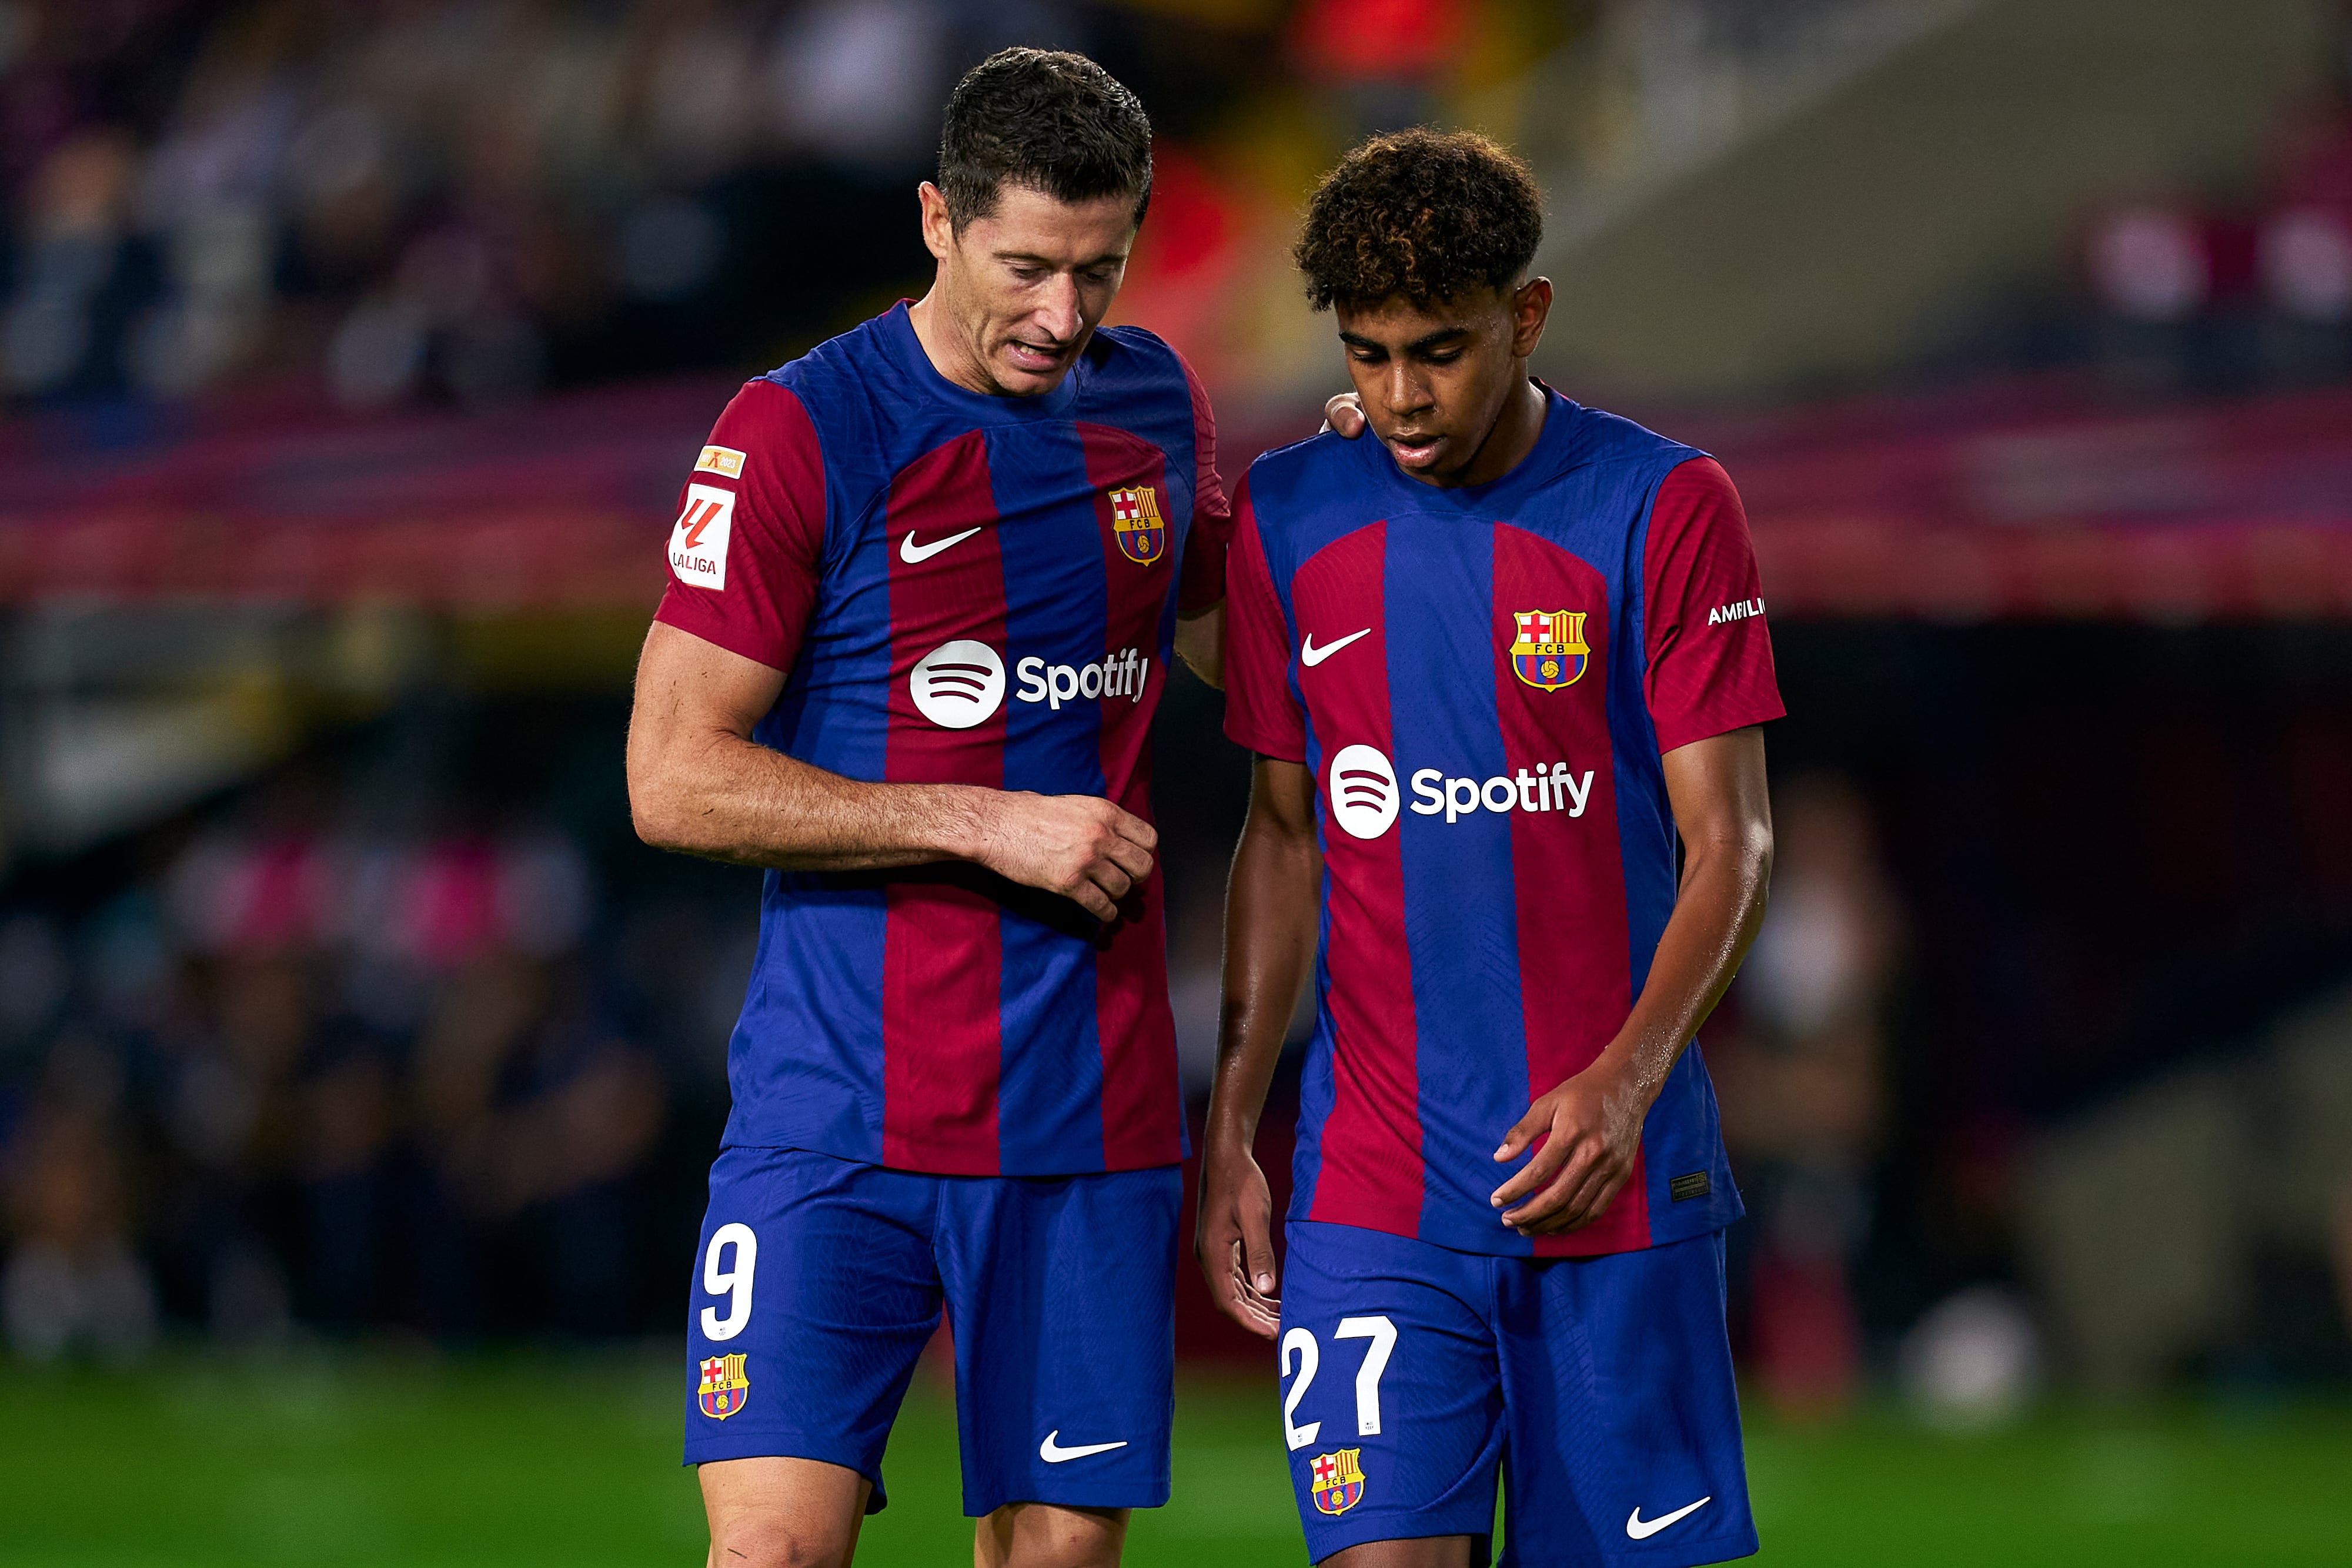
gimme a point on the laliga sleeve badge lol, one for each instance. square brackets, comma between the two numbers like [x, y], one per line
[1548, 650]
[724, 1386]
[1135, 520]
[1339, 1479]
[698, 540]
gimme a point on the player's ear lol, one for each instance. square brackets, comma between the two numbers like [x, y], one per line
[939, 228]
[1530, 307]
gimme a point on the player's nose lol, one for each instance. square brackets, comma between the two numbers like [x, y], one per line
[1405, 390]
[1059, 313]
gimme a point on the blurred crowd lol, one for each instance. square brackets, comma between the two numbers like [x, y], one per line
[466, 199]
[424, 197]
[316, 1073]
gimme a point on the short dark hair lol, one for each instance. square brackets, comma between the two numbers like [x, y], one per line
[1424, 213]
[1052, 121]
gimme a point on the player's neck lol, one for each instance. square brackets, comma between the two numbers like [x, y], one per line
[951, 351]
[1508, 441]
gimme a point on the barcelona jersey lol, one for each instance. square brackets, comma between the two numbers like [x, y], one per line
[1482, 682]
[962, 589]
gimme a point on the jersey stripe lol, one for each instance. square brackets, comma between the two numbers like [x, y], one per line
[1458, 913]
[941, 951]
[1050, 1093]
[1370, 1142]
[1568, 874]
[1141, 1117]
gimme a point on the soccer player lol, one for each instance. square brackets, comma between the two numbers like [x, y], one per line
[1493, 663]
[925, 584]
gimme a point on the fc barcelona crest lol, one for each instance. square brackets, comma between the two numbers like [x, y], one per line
[1339, 1479]
[724, 1386]
[1548, 651]
[1135, 519]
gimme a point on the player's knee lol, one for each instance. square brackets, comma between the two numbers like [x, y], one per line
[770, 1542]
[1036, 1535]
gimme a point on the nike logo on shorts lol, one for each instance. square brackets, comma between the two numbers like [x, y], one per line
[1310, 656]
[1640, 1529]
[1053, 1454]
[914, 554]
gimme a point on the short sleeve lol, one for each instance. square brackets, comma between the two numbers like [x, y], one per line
[1710, 657]
[749, 542]
[1213, 522]
[1261, 712]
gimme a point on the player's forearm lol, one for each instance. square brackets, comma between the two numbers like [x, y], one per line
[728, 798]
[1200, 643]
[1716, 916]
[1270, 923]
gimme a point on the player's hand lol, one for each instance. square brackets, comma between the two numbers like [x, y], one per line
[1345, 413]
[1590, 1130]
[1080, 846]
[1234, 1239]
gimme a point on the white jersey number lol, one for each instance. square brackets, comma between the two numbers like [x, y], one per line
[1300, 1343]
[734, 1283]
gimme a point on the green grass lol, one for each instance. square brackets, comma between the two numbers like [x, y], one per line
[380, 1461]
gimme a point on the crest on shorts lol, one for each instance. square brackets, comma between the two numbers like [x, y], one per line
[1339, 1479]
[724, 1386]
[1134, 521]
[1547, 648]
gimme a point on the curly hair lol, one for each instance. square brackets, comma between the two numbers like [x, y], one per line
[1422, 214]
[1054, 122]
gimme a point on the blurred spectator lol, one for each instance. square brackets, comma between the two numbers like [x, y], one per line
[1803, 1089]
[71, 1282]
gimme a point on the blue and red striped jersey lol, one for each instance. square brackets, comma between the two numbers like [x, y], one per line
[964, 590]
[1482, 682]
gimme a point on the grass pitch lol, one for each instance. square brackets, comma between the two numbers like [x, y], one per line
[517, 1462]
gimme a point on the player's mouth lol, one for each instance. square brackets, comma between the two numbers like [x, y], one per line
[1036, 360]
[1413, 450]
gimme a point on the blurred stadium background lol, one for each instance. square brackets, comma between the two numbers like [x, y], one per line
[359, 1071]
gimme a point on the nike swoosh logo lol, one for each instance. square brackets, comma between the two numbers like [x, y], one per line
[1642, 1530]
[1310, 656]
[1052, 1454]
[914, 554]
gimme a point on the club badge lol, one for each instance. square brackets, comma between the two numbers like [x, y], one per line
[724, 1386]
[1339, 1479]
[1135, 520]
[1548, 651]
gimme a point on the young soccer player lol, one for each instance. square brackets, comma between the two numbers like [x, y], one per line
[924, 585]
[1495, 663]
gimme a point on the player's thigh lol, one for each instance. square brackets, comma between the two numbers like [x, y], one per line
[1623, 1420]
[1427, 1551]
[1062, 1295]
[1047, 1535]
[813, 1295]
[783, 1514]
[1391, 1398]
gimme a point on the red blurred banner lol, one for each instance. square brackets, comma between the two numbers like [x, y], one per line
[2010, 502]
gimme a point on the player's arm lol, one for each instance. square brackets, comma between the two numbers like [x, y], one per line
[1270, 922]
[699, 784]
[1200, 642]
[1590, 1126]
[1201, 597]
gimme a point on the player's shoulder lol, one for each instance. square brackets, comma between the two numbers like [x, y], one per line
[1289, 481]
[846, 379]
[1128, 362]
[1596, 435]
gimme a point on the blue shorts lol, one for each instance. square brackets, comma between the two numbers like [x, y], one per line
[1600, 1388]
[820, 1281]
